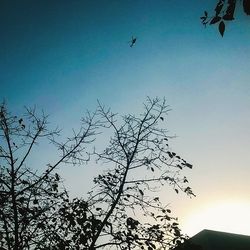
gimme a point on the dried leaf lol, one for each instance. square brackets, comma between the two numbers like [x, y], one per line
[222, 28]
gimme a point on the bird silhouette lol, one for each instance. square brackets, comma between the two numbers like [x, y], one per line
[132, 41]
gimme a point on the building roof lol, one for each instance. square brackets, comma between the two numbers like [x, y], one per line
[215, 240]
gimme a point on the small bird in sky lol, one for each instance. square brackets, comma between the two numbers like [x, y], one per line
[132, 41]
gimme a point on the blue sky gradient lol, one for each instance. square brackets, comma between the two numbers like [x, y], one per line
[64, 55]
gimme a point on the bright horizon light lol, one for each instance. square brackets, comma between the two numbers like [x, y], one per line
[225, 216]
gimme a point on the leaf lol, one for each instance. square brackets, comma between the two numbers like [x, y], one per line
[189, 165]
[218, 7]
[167, 217]
[54, 186]
[162, 118]
[222, 28]
[152, 169]
[153, 245]
[177, 233]
[22, 199]
[25, 182]
[179, 166]
[177, 191]
[169, 154]
[57, 177]
[246, 6]
[216, 19]
[228, 17]
[141, 192]
[230, 11]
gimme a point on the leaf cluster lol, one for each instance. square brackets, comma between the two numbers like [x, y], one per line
[224, 11]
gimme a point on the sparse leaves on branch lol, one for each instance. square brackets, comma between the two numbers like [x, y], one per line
[224, 12]
[139, 162]
[122, 211]
[29, 198]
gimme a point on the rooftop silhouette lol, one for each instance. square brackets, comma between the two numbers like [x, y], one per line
[216, 240]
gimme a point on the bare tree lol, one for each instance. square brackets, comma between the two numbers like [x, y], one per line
[29, 200]
[123, 210]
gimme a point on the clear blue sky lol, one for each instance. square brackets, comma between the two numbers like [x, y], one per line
[64, 55]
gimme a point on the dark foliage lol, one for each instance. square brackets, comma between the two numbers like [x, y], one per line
[30, 200]
[224, 11]
[122, 211]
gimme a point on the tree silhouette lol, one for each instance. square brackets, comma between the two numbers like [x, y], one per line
[29, 200]
[224, 12]
[122, 211]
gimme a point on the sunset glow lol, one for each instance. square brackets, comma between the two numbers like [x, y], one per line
[228, 216]
[62, 56]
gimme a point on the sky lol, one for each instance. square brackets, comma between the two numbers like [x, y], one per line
[64, 55]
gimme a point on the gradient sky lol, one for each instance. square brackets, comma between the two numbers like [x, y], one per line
[64, 55]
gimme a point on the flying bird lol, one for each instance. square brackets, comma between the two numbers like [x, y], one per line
[132, 41]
